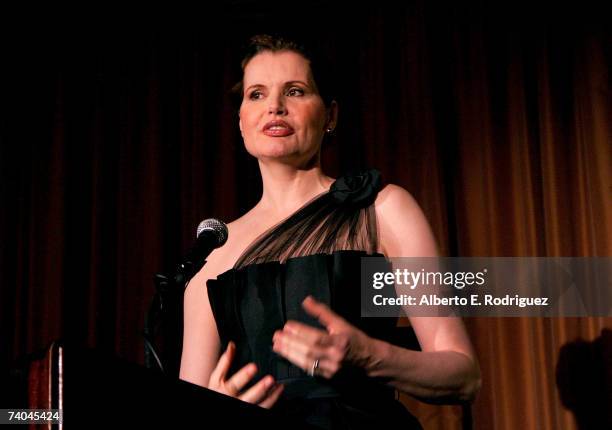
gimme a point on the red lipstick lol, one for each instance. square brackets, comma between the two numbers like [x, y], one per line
[277, 128]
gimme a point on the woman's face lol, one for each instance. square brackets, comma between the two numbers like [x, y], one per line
[282, 115]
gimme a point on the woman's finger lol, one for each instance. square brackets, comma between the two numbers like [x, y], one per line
[304, 331]
[303, 355]
[323, 314]
[273, 396]
[223, 365]
[285, 343]
[297, 352]
[325, 368]
[258, 392]
[240, 379]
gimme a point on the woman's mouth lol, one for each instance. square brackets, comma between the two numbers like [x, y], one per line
[277, 128]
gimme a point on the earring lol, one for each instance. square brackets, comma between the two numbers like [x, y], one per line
[329, 129]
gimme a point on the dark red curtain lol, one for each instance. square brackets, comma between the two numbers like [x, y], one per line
[117, 138]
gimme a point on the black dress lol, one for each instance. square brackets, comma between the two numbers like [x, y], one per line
[316, 251]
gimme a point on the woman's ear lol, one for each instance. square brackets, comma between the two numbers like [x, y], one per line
[332, 117]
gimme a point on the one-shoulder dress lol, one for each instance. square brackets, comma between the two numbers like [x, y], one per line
[316, 251]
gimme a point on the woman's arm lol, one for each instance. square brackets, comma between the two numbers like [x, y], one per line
[446, 368]
[201, 345]
[201, 361]
[445, 374]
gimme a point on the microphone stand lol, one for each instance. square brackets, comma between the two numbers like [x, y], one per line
[163, 310]
[153, 319]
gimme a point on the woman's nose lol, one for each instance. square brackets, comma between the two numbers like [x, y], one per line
[277, 106]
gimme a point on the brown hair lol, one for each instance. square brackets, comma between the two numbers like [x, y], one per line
[319, 64]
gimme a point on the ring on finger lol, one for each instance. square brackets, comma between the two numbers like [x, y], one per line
[313, 369]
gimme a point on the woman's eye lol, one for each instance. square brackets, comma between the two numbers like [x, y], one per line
[294, 91]
[255, 95]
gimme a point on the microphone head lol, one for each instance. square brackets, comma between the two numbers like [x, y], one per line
[218, 228]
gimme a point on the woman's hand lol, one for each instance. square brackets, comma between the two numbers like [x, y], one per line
[264, 393]
[323, 352]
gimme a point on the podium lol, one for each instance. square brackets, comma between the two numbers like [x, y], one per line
[96, 390]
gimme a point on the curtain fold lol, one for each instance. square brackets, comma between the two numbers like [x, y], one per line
[113, 146]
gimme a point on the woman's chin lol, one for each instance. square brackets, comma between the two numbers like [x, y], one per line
[276, 150]
[294, 158]
[283, 152]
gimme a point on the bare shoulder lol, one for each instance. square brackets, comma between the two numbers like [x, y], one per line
[393, 198]
[241, 232]
[223, 258]
[404, 230]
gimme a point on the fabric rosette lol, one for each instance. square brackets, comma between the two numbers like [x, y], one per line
[358, 189]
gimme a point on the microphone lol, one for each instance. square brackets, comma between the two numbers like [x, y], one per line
[165, 306]
[211, 234]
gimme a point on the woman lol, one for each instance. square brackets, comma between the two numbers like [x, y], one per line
[279, 303]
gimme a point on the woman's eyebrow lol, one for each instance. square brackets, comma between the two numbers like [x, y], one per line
[297, 82]
[285, 84]
[254, 86]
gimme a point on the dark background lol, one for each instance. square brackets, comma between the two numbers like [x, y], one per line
[118, 136]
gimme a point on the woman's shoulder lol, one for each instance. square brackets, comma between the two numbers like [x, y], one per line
[238, 232]
[248, 226]
[223, 258]
[242, 231]
[393, 200]
[403, 227]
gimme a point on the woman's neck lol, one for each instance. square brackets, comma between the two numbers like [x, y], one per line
[287, 188]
